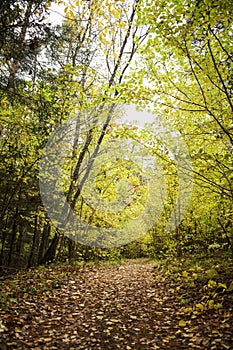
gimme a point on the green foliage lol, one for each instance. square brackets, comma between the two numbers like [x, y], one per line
[183, 71]
[204, 285]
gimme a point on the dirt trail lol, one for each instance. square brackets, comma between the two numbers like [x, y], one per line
[124, 307]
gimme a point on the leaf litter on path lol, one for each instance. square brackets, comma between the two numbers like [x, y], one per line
[112, 307]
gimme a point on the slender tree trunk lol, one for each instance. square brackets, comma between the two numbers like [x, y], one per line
[19, 241]
[17, 59]
[51, 251]
[44, 240]
[13, 236]
[3, 245]
[34, 243]
[71, 249]
[61, 245]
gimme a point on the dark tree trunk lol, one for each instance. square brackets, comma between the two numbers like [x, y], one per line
[13, 236]
[44, 240]
[3, 246]
[71, 249]
[17, 59]
[31, 259]
[19, 241]
[51, 251]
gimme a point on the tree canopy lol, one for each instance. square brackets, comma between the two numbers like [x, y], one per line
[173, 58]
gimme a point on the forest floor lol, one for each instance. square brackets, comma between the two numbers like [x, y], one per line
[135, 305]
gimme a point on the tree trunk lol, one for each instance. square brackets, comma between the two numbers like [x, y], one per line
[19, 241]
[44, 240]
[34, 243]
[51, 251]
[13, 236]
[16, 60]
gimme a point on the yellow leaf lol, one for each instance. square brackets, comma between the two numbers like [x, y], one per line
[47, 339]
[200, 306]
[114, 320]
[182, 323]
[218, 306]
[188, 310]
[230, 288]
[116, 13]
[195, 276]
[211, 284]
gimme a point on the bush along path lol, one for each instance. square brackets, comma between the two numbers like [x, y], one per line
[129, 306]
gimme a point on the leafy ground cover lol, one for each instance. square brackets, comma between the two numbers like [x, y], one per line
[136, 305]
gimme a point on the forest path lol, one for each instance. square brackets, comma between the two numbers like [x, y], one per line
[113, 307]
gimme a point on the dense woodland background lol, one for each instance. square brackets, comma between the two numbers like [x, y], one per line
[174, 56]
